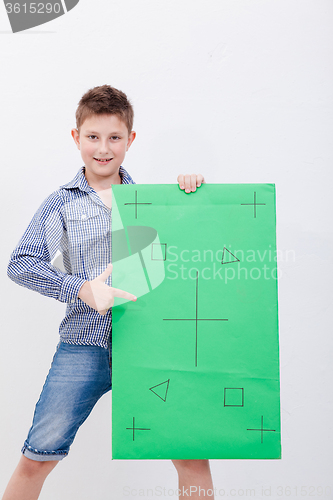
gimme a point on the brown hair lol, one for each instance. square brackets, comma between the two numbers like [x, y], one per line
[105, 100]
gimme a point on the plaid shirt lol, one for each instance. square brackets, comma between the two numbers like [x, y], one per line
[75, 222]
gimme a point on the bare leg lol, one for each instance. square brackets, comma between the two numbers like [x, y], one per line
[195, 480]
[28, 479]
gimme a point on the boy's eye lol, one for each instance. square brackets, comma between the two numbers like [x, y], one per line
[113, 137]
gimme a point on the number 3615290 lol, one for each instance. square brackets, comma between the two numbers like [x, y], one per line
[33, 8]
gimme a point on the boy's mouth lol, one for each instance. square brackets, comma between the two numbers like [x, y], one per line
[103, 160]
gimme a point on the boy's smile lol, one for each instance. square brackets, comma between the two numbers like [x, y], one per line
[103, 141]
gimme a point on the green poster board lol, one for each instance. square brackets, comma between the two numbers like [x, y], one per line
[196, 358]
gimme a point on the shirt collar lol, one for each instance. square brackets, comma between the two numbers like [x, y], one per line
[80, 180]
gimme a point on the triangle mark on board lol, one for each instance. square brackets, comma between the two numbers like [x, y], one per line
[226, 257]
[161, 389]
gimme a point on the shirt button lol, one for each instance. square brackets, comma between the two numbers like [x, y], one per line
[72, 301]
[83, 216]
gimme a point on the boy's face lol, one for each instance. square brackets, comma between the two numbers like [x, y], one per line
[103, 141]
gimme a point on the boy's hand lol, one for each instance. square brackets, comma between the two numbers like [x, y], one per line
[99, 296]
[190, 182]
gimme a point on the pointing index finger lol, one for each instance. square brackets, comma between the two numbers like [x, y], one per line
[124, 295]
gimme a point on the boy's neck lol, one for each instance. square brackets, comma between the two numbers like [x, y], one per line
[99, 183]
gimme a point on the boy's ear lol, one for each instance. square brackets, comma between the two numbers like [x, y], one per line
[76, 137]
[131, 138]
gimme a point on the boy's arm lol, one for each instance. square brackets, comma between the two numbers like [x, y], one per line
[30, 263]
[190, 182]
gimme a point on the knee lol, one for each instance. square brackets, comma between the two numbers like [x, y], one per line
[191, 466]
[33, 468]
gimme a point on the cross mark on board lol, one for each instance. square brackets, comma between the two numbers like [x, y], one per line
[136, 203]
[196, 319]
[262, 430]
[136, 428]
[255, 204]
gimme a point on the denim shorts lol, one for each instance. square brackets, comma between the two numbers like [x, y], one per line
[78, 377]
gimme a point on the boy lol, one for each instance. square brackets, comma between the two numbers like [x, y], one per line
[76, 219]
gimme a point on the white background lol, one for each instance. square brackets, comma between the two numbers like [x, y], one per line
[240, 90]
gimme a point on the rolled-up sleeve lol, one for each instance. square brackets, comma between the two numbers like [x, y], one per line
[30, 263]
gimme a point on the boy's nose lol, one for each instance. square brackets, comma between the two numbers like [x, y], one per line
[104, 148]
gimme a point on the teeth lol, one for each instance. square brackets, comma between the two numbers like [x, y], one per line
[99, 159]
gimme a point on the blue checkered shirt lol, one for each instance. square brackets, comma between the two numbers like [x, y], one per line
[72, 221]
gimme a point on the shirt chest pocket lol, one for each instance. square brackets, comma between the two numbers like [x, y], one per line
[87, 226]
